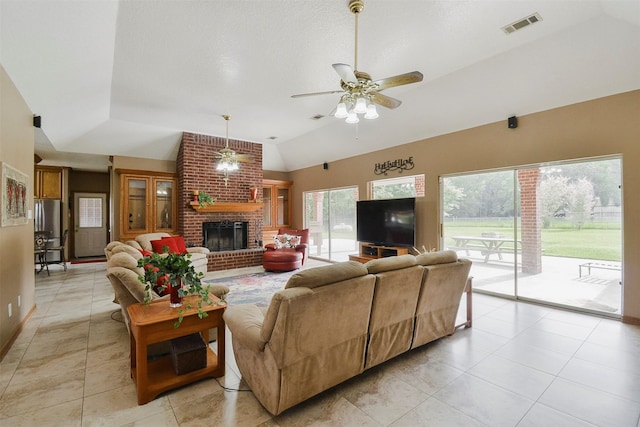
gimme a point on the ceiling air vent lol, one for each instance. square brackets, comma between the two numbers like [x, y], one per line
[521, 23]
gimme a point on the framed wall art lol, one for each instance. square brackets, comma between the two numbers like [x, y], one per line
[14, 209]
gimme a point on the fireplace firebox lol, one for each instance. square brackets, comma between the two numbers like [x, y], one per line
[225, 235]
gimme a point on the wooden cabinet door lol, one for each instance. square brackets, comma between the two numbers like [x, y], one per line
[165, 206]
[48, 184]
[135, 205]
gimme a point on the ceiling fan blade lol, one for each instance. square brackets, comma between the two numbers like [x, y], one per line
[346, 73]
[329, 92]
[399, 80]
[385, 101]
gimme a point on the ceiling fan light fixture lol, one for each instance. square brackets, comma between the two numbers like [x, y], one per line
[353, 117]
[372, 112]
[361, 105]
[341, 111]
[228, 158]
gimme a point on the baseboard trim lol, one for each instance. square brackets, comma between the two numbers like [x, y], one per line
[5, 348]
[631, 320]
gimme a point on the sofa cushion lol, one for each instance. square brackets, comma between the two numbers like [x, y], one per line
[286, 241]
[325, 275]
[144, 240]
[390, 263]
[438, 257]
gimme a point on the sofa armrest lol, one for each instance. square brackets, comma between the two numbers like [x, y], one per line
[270, 246]
[198, 250]
[245, 322]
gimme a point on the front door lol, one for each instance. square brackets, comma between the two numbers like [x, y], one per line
[90, 219]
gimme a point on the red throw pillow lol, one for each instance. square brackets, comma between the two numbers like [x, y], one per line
[158, 245]
[181, 247]
[145, 252]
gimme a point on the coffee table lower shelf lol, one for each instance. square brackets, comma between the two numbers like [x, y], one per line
[161, 376]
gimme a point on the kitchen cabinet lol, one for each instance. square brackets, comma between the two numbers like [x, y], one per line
[48, 183]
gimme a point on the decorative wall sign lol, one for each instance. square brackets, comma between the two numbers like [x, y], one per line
[13, 197]
[398, 164]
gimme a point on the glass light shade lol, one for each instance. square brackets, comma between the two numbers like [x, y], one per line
[372, 113]
[353, 117]
[341, 111]
[361, 106]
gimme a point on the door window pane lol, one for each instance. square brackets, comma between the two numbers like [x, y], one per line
[90, 212]
[330, 216]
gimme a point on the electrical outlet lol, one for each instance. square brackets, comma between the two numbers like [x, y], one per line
[19, 302]
[9, 307]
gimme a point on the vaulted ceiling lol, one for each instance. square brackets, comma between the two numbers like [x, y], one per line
[127, 77]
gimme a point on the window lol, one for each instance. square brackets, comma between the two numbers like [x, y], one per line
[396, 188]
[90, 212]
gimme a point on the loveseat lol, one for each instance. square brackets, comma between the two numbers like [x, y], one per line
[332, 323]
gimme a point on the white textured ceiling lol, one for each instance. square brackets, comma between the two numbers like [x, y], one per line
[128, 77]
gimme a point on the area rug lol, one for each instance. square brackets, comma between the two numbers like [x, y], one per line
[257, 288]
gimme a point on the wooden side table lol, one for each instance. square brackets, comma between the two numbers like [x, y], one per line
[153, 323]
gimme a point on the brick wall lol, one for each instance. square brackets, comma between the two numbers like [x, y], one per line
[196, 168]
[529, 180]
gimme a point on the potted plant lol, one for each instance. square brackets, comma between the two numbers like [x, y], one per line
[173, 274]
[205, 200]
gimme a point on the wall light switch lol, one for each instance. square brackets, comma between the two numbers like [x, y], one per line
[9, 307]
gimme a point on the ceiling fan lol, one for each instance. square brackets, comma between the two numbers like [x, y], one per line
[227, 158]
[360, 93]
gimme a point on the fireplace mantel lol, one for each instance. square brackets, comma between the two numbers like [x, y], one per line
[227, 207]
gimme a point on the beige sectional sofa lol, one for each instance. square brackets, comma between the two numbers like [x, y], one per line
[331, 323]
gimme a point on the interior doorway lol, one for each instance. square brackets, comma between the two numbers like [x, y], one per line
[550, 233]
[90, 224]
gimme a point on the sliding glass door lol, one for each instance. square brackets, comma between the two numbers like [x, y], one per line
[330, 216]
[550, 233]
[480, 223]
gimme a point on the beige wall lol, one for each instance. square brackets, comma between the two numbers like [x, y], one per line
[602, 127]
[16, 242]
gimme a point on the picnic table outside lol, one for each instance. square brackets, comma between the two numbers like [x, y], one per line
[487, 245]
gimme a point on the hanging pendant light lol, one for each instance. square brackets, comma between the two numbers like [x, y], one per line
[228, 160]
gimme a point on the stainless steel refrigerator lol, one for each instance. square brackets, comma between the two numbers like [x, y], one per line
[47, 217]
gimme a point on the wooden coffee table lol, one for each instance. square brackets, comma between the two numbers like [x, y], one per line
[153, 323]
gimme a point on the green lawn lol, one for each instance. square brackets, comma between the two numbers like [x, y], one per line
[591, 243]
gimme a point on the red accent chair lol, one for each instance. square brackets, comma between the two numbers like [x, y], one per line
[286, 259]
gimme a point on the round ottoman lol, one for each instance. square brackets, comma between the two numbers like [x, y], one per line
[282, 260]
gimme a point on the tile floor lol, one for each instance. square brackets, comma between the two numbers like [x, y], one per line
[520, 365]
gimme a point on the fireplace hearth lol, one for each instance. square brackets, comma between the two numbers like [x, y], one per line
[225, 235]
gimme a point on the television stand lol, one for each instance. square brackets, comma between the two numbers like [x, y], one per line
[368, 252]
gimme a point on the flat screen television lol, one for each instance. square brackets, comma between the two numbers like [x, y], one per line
[388, 222]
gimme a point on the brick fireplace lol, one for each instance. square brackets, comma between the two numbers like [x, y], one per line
[196, 168]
